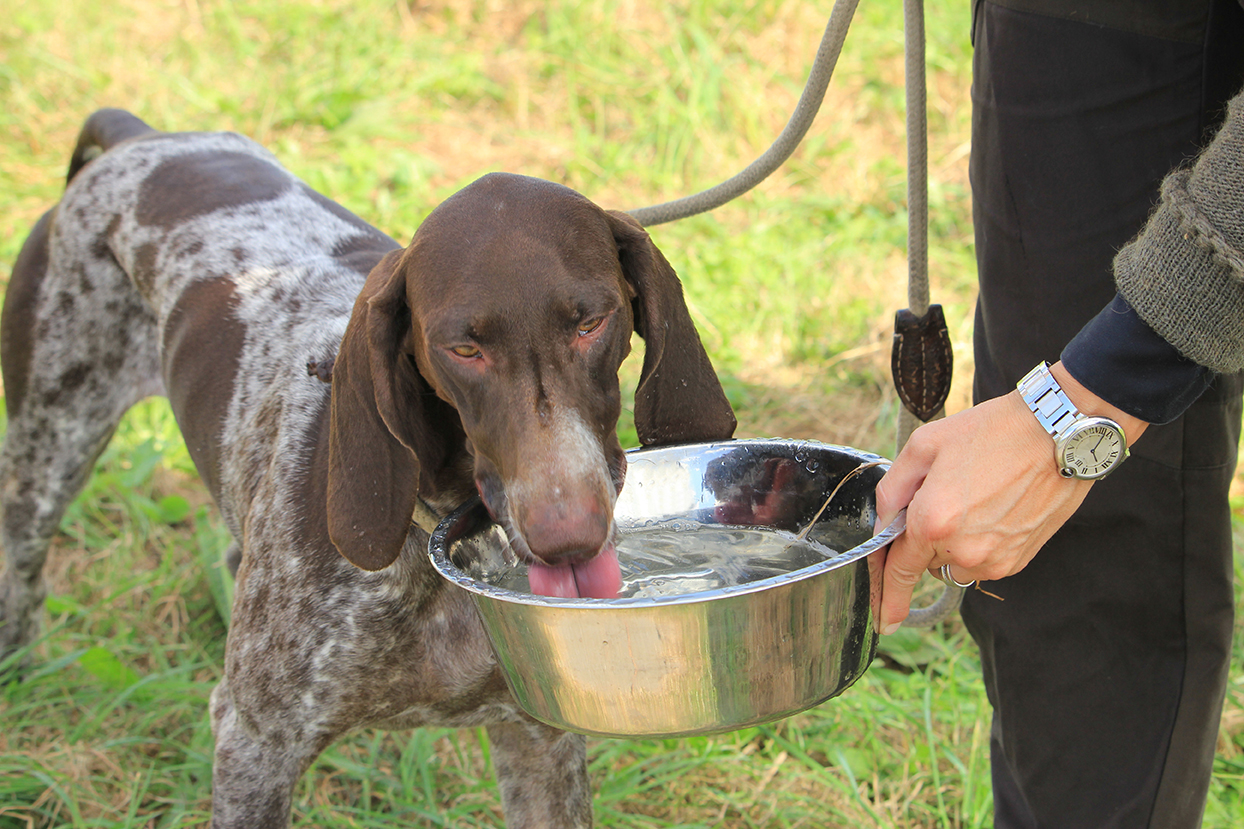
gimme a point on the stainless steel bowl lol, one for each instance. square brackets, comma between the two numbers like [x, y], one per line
[700, 662]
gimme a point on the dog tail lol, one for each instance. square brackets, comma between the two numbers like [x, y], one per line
[102, 131]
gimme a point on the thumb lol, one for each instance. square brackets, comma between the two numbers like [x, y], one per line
[904, 567]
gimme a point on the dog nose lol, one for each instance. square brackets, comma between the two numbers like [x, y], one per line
[565, 529]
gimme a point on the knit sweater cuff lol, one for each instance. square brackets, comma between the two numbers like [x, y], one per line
[1178, 279]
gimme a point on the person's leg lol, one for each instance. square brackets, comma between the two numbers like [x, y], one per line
[1106, 661]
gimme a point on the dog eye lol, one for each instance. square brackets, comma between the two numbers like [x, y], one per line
[589, 325]
[467, 352]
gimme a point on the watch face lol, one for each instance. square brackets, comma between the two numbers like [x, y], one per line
[1094, 447]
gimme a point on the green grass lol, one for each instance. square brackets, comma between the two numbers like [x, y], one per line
[388, 107]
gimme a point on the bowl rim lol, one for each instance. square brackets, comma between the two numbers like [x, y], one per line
[438, 551]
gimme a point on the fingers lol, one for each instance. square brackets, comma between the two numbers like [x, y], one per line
[904, 477]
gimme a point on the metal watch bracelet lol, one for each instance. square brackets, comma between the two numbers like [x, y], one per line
[1053, 409]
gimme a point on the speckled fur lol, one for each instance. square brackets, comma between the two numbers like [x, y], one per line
[193, 265]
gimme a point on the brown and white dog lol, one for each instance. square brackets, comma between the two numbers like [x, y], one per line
[482, 357]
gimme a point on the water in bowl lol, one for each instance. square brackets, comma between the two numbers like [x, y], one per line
[677, 558]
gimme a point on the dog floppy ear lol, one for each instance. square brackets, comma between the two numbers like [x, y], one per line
[679, 398]
[380, 437]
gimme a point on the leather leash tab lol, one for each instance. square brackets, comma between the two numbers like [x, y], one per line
[921, 361]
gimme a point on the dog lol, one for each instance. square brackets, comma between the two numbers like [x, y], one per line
[482, 357]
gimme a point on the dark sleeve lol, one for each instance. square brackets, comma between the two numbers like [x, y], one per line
[1118, 357]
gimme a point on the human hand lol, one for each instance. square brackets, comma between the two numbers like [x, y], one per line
[982, 492]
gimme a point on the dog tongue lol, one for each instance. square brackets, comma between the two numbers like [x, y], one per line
[599, 578]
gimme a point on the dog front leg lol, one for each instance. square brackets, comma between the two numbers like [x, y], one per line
[252, 779]
[542, 774]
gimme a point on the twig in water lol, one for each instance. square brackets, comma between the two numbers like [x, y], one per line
[857, 470]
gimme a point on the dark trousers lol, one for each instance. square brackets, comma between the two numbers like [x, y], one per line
[1107, 661]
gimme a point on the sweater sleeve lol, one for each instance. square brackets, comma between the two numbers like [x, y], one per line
[1184, 273]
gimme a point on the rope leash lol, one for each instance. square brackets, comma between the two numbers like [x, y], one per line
[921, 358]
[801, 119]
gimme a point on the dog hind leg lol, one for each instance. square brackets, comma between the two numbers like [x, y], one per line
[78, 348]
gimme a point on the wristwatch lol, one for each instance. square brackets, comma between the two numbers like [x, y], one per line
[1088, 448]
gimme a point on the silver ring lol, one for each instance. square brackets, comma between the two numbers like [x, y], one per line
[950, 579]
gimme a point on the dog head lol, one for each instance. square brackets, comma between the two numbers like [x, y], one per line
[500, 331]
